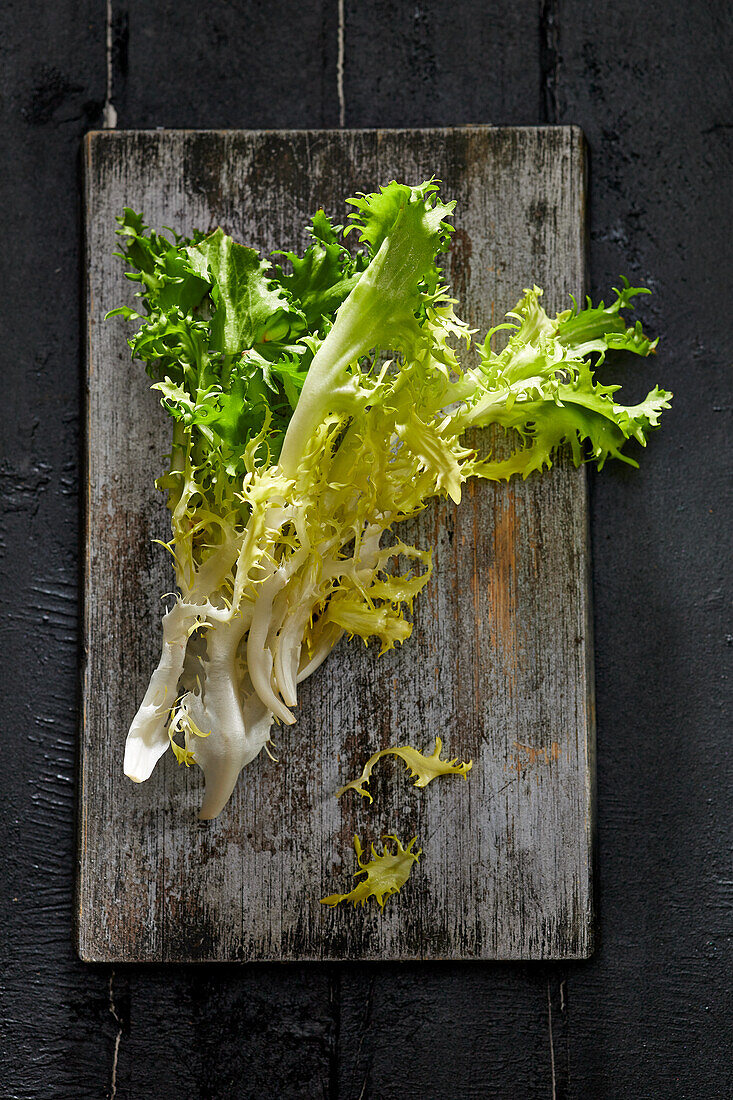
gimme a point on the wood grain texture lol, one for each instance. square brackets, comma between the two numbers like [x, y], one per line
[499, 664]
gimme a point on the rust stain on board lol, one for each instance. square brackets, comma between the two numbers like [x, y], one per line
[529, 756]
[502, 584]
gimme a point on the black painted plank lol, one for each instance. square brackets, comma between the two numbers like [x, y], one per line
[438, 64]
[48, 97]
[657, 110]
[623, 72]
[460, 1031]
[214, 1032]
[215, 65]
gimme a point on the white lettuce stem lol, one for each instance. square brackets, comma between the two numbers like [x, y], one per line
[148, 737]
[303, 595]
[292, 609]
[259, 656]
[288, 645]
[332, 634]
[229, 745]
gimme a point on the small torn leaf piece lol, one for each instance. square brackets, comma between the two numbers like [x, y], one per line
[385, 874]
[183, 722]
[423, 767]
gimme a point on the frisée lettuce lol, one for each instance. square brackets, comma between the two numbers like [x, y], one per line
[316, 404]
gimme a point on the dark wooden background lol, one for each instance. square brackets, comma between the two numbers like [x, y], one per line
[650, 1015]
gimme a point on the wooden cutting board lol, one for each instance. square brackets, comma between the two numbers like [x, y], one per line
[500, 662]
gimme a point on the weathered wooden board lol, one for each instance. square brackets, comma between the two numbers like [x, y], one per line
[500, 662]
